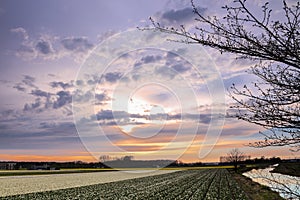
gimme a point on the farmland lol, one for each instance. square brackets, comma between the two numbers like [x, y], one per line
[184, 184]
[21, 184]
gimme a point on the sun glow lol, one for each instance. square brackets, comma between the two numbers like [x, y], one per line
[127, 128]
[138, 106]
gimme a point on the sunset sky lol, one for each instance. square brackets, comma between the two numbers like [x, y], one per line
[78, 80]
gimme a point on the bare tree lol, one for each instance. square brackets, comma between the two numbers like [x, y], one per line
[105, 158]
[235, 156]
[274, 101]
[127, 158]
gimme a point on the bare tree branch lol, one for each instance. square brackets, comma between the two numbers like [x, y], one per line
[274, 101]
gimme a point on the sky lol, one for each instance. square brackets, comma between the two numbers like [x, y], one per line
[79, 80]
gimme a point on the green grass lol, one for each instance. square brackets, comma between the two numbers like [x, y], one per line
[254, 190]
[292, 169]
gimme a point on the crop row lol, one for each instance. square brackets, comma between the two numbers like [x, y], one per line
[185, 184]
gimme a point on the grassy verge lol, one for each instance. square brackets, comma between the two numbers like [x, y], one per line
[254, 190]
[292, 169]
[46, 172]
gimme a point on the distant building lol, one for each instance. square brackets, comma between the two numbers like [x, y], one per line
[7, 166]
[40, 167]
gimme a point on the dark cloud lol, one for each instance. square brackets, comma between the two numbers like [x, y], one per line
[112, 77]
[61, 99]
[28, 78]
[180, 16]
[137, 64]
[176, 116]
[3, 126]
[122, 117]
[19, 87]
[150, 59]
[29, 81]
[80, 96]
[102, 97]
[64, 98]
[171, 55]
[80, 44]
[202, 118]
[79, 82]
[159, 116]
[57, 126]
[180, 68]
[110, 123]
[40, 93]
[110, 118]
[30, 48]
[137, 116]
[91, 82]
[119, 123]
[44, 100]
[206, 118]
[56, 84]
[33, 106]
[67, 110]
[44, 47]
[52, 75]
[111, 115]
[135, 77]
[7, 113]
[51, 135]
[91, 79]
[37, 142]
[165, 72]
[47, 125]
[147, 59]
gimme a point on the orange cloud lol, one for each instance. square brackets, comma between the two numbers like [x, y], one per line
[46, 158]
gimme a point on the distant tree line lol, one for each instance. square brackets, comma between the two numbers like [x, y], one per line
[139, 163]
[57, 165]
